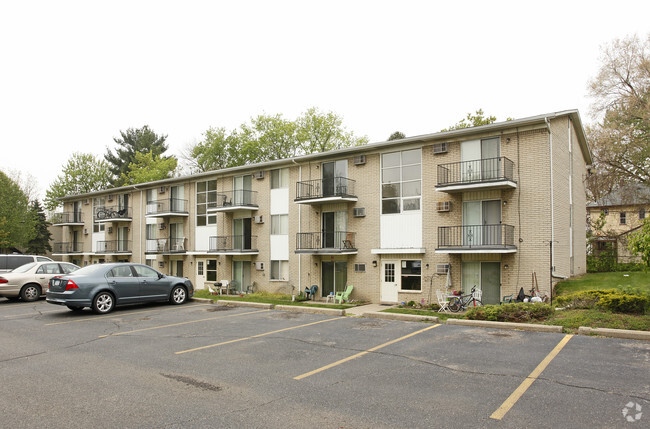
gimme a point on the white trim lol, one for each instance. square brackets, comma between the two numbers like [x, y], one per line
[471, 186]
[484, 251]
[398, 251]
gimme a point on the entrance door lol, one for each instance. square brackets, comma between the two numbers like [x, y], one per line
[334, 277]
[389, 285]
[241, 274]
[492, 222]
[491, 282]
[490, 166]
[200, 279]
[243, 185]
[242, 234]
[334, 173]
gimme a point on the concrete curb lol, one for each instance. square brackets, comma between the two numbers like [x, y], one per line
[206, 300]
[505, 325]
[245, 304]
[615, 333]
[317, 310]
[400, 316]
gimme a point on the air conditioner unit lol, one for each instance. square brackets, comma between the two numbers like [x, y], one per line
[259, 266]
[109, 198]
[442, 268]
[162, 190]
[258, 175]
[86, 201]
[161, 226]
[439, 148]
[259, 219]
[359, 212]
[444, 206]
[110, 229]
[359, 160]
[85, 231]
[161, 264]
[359, 268]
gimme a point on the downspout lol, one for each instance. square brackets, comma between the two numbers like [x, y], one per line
[299, 226]
[550, 143]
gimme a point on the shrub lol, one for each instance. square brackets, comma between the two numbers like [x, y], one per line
[607, 299]
[515, 312]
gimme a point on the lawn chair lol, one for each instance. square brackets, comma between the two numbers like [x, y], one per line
[223, 286]
[443, 301]
[310, 292]
[250, 288]
[347, 243]
[343, 296]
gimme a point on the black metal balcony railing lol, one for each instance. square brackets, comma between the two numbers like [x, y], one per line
[225, 243]
[236, 198]
[169, 205]
[165, 245]
[338, 240]
[476, 171]
[113, 212]
[66, 217]
[114, 246]
[477, 236]
[324, 188]
[68, 247]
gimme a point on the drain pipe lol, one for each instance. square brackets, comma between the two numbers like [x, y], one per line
[299, 226]
[550, 143]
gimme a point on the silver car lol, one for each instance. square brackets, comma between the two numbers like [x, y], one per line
[103, 286]
[30, 281]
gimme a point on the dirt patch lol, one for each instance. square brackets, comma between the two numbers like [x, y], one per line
[218, 308]
[189, 381]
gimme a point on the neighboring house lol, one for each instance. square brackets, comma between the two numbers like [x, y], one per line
[492, 204]
[625, 210]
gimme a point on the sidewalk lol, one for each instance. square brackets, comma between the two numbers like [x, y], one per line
[361, 309]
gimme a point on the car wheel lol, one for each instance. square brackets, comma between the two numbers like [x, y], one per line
[30, 292]
[178, 295]
[103, 303]
[73, 308]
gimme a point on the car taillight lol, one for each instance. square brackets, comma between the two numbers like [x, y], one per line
[3, 280]
[71, 285]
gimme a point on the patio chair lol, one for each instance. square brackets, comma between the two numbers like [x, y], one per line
[443, 301]
[234, 287]
[343, 296]
[310, 292]
[250, 288]
[347, 243]
[223, 286]
[478, 293]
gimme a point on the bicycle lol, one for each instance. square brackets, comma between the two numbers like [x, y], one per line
[458, 303]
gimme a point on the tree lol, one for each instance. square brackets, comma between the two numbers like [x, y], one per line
[133, 141]
[270, 137]
[639, 242]
[17, 222]
[620, 140]
[40, 243]
[83, 173]
[397, 135]
[148, 167]
[473, 121]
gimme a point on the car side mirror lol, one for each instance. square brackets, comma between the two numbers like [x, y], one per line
[161, 276]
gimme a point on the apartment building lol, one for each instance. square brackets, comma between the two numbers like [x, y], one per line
[486, 206]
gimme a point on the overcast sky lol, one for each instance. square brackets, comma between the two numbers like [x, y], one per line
[75, 73]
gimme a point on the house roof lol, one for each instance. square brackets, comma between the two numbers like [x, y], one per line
[631, 194]
[502, 127]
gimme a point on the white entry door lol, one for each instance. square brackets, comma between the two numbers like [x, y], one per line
[199, 283]
[389, 282]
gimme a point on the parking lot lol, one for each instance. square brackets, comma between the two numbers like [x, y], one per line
[203, 365]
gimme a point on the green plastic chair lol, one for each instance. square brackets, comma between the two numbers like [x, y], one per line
[343, 296]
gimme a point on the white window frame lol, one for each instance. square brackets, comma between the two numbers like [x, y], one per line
[279, 270]
[401, 182]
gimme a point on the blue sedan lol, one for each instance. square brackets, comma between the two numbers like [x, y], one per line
[104, 286]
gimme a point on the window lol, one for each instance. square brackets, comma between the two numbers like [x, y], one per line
[641, 213]
[143, 271]
[279, 270]
[124, 271]
[211, 270]
[401, 181]
[280, 178]
[412, 275]
[206, 197]
[280, 224]
[199, 268]
[622, 218]
[97, 204]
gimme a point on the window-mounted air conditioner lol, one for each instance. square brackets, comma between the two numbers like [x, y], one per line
[359, 268]
[259, 175]
[161, 226]
[359, 160]
[359, 212]
[259, 219]
[162, 190]
[440, 148]
[86, 201]
[161, 264]
[444, 206]
[259, 266]
[109, 198]
[110, 229]
[442, 268]
[85, 231]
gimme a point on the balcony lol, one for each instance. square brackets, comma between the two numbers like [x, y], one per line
[67, 218]
[232, 201]
[325, 190]
[165, 245]
[476, 239]
[233, 245]
[480, 174]
[67, 248]
[113, 214]
[114, 246]
[326, 243]
[166, 208]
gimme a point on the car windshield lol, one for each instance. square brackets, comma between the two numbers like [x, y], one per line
[24, 268]
[88, 270]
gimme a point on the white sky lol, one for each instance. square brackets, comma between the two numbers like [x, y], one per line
[75, 73]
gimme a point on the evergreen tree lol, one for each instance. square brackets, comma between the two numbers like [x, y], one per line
[40, 244]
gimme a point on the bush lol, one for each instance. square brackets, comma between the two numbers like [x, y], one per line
[607, 299]
[515, 312]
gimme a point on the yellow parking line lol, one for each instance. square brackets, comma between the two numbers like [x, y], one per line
[256, 336]
[514, 397]
[181, 323]
[86, 319]
[30, 314]
[316, 371]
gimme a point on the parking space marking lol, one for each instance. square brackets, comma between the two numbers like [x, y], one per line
[514, 397]
[257, 336]
[87, 319]
[326, 367]
[181, 323]
[30, 314]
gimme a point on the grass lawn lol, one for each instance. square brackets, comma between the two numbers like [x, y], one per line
[620, 280]
[266, 298]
